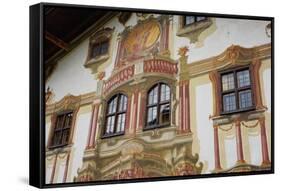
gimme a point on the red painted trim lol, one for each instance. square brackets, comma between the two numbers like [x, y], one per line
[181, 108]
[128, 117]
[184, 107]
[136, 99]
[217, 149]
[265, 156]
[54, 169]
[187, 108]
[239, 144]
[94, 127]
[118, 54]
[142, 109]
[90, 128]
[66, 168]
[166, 45]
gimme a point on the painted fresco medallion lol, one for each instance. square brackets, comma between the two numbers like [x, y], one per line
[141, 38]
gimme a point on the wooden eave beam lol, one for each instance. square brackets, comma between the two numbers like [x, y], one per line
[56, 41]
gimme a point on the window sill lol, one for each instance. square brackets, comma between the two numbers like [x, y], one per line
[112, 135]
[57, 146]
[246, 115]
[192, 31]
[147, 128]
[238, 111]
[58, 149]
[94, 63]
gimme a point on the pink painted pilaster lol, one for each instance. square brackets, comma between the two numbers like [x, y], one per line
[66, 168]
[128, 114]
[94, 126]
[142, 110]
[54, 169]
[184, 107]
[181, 107]
[265, 156]
[239, 144]
[217, 149]
[90, 128]
[135, 111]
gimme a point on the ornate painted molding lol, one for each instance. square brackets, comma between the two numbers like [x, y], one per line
[233, 56]
[118, 78]
[70, 102]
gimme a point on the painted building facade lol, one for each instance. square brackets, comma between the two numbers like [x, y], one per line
[148, 95]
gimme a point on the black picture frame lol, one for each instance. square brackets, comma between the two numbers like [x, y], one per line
[37, 96]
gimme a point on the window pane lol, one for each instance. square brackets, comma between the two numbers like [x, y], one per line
[120, 123]
[112, 106]
[243, 78]
[189, 20]
[227, 82]
[59, 123]
[122, 103]
[65, 136]
[96, 50]
[165, 93]
[152, 116]
[164, 114]
[104, 47]
[153, 96]
[245, 99]
[229, 102]
[68, 120]
[200, 18]
[57, 138]
[110, 125]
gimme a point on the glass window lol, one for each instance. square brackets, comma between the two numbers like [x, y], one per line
[243, 78]
[236, 90]
[158, 107]
[189, 20]
[228, 82]
[62, 129]
[116, 115]
[100, 48]
[245, 99]
[229, 102]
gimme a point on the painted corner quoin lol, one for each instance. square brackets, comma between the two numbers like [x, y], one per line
[142, 95]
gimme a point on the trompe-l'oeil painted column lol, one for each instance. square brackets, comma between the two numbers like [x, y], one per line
[217, 149]
[135, 105]
[265, 156]
[184, 107]
[143, 111]
[239, 144]
[128, 114]
[54, 169]
[93, 126]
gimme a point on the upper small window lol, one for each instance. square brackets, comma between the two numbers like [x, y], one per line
[158, 106]
[61, 132]
[116, 115]
[236, 91]
[189, 20]
[100, 48]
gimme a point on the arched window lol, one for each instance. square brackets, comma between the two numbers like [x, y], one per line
[116, 115]
[158, 106]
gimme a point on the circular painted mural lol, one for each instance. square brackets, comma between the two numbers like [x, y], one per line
[142, 37]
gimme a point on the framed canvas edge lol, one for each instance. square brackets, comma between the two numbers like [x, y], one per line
[36, 98]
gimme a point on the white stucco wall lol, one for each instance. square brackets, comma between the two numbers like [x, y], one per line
[225, 32]
[205, 132]
[79, 140]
